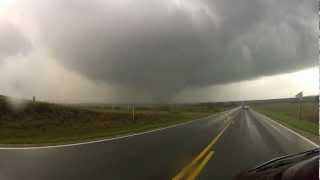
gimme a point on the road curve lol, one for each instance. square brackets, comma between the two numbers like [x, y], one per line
[248, 138]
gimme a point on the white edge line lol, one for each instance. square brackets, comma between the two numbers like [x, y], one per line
[288, 129]
[114, 138]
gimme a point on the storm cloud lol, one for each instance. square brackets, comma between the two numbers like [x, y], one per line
[163, 47]
[12, 41]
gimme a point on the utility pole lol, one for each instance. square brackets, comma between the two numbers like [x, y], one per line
[316, 107]
[300, 111]
[133, 112]
[299, 96]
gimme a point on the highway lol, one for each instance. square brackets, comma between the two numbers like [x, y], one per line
[217, 147]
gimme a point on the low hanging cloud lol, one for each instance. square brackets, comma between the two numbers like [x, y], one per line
[163, 47]
[12, 41]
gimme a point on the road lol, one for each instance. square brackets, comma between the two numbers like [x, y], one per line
[232, 142]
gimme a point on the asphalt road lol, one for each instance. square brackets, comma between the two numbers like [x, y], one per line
[238, 140]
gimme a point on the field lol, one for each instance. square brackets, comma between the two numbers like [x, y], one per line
[287, 113]
[44, 123]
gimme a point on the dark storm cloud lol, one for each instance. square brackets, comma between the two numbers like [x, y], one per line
[162, 47]
[12, 41]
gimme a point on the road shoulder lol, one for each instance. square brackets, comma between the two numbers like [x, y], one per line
[309, 136]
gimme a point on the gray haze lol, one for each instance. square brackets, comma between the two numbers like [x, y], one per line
[160, 48]
[12, 41]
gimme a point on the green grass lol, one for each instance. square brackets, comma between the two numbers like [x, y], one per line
[287, 113]
[33, 134]
[44, 123]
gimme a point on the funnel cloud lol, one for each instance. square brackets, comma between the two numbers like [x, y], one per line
[163, 47]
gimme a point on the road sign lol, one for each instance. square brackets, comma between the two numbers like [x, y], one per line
[299, 95]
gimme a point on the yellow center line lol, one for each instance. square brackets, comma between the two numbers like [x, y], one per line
[199, 168]
[196, 160]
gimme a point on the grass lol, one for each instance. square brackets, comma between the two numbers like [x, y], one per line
[44, 123]
[287, 113]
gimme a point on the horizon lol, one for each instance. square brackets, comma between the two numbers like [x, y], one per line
[151, 103]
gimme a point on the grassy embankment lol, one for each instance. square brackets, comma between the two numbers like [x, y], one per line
[287, 113]
[44, 123]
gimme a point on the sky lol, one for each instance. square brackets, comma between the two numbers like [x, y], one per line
[158, 50]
